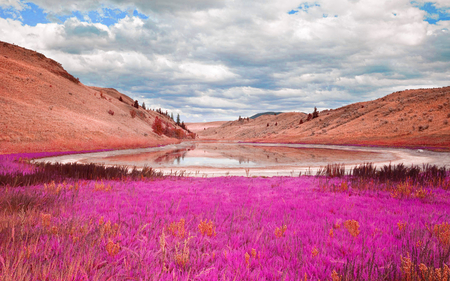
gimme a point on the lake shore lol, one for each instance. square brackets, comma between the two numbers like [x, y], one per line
[291, 159]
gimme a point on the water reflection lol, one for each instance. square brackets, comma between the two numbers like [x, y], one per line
[233, 155]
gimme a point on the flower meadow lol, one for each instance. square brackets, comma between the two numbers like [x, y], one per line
[152, 227]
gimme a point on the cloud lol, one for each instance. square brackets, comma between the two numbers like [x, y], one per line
[212, 60]
[154, 6]
[15, 4]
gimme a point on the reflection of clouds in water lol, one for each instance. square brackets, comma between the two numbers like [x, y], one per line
[212, 162]
[260, 159]
[251, 155]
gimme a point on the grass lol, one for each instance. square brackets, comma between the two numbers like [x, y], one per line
[92, 223]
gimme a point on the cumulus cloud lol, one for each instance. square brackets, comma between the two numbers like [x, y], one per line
[216, 60]
[154, 6]
[16, 4]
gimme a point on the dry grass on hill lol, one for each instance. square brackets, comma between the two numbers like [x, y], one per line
[410, 118]
[44, 108]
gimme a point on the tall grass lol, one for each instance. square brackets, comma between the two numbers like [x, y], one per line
[13, 175]
[229, 228]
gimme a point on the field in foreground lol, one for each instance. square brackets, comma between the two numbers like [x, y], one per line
[229, 228]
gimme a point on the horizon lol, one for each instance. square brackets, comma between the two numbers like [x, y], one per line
[209, 61]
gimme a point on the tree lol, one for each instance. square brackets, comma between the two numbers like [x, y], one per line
[315, 113]
[158, 126]
[136, 104]
[143, 105]
[171, 116]
[178, 120]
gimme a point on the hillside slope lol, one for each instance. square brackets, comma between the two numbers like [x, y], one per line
[44, 108]
[411, 118]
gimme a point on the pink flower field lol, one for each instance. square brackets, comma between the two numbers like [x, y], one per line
[227, 228]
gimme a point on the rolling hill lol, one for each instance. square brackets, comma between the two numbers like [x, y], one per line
[44, 108]
[410, 118]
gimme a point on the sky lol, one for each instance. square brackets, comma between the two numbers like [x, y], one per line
[218, 60]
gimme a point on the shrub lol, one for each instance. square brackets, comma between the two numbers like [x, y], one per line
[423, 128]
[158, 126]
[136, 104]
[121, 99]
[133, 113]
[111, 112]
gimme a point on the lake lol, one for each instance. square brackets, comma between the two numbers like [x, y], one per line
[231, 158]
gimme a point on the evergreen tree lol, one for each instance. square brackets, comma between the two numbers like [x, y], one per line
[143, 105]
[136, 104]
[178, 119]
[171, 116]
[315, 113]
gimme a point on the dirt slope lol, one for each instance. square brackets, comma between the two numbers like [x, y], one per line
[44, 108]
[411, 118]
[197, 127]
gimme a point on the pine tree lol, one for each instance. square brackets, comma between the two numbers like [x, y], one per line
[171, 116]
[136, 104]
[178, 119]
[143, 105]
[315, 113]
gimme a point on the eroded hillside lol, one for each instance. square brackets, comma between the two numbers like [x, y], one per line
[408, 118]
[44, 108]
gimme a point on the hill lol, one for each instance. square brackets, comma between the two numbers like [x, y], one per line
[44, 108]
[264, 113]
[410, 118]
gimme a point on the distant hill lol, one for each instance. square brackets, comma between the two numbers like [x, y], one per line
[413, 118]
[44, 108]
[265, 113]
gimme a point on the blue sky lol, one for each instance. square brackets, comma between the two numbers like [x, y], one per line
[216, 60]
[32, 14]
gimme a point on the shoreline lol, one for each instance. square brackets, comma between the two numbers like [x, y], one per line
[400, 155]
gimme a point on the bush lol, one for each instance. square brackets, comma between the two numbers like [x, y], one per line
[133, 113]
[158, 126]
[423, 128]
[136, 104]
[111, 112]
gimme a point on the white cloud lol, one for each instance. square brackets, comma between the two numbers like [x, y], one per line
[204, 73]
[16, 4]
[244, 56]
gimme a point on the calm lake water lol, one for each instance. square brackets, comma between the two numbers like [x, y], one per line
[222, 158]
